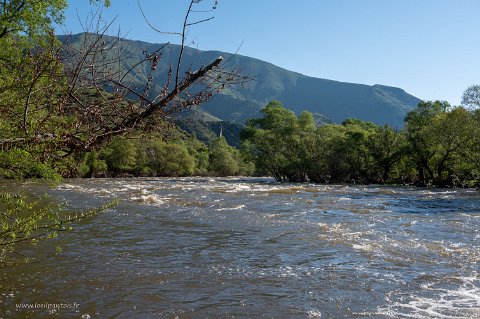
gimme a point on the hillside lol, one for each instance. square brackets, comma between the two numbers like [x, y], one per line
[335, 100]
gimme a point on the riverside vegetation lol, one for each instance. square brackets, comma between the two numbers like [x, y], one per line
[439, 146]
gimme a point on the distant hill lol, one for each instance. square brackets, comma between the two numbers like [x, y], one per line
[332, 100]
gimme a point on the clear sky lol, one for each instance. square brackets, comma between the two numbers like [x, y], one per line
[429, 48]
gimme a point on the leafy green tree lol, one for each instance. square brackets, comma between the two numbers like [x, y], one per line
[223, 160]
[121, 156]
[326, 163]
[199, 152]
[53, 98]
[17, 163]
[354, 149]
[177, 161]
[246, 167]
[30, 17]
[277, 142]
[449, 134]
[470, 152]
[437, 134]
[159, 158]
[32, 86]
[29, 85]
[439, 146]
[303, 145]
[93, 165]
[386, 148]
[418, 123]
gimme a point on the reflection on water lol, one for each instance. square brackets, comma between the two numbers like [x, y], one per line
[252, 248]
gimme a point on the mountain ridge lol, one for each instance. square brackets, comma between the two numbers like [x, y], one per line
[334, 99]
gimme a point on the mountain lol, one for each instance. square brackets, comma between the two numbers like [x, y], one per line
[332, 100]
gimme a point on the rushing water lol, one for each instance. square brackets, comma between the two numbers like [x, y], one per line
[253, 248]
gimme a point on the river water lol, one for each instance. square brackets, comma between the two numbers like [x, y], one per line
[253, 248]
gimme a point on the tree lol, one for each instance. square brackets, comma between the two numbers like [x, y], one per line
[472, 147]
[326, 161]
[177, 161]
[92, 165]
[223, 160]
[30, 17]
[272, 140]
[354, 149]
[199, 152]
[159, 158]
[437, 134]
[280, 143]
[449, 131]
[121, 156]
[66, 100]
[422, 143]
[386, 148]
[471, 97]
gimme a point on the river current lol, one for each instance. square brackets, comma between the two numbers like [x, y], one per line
[254, 248]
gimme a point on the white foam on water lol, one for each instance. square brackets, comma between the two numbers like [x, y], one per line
[71, 187]
[230, 208]
[461, 302]
[363, 247]
[313, 313]
[149, 199]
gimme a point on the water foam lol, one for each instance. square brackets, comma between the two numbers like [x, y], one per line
[462, 301]
[312, 313]
[238, 207]
[148, 199]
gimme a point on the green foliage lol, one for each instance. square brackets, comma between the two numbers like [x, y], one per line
[93, 165]
[277, 142]
[29, 86]
[440, 145]
[159, 158]
[20, 164]
[178, 156]
[223, 158]
[436, 133]
[31, 17]
[471, 149]
[199, 152]
[386, 148]
[121, 155]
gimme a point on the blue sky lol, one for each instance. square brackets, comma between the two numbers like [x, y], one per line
[429, 48]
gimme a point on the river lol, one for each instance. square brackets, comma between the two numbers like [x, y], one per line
[254, 248]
